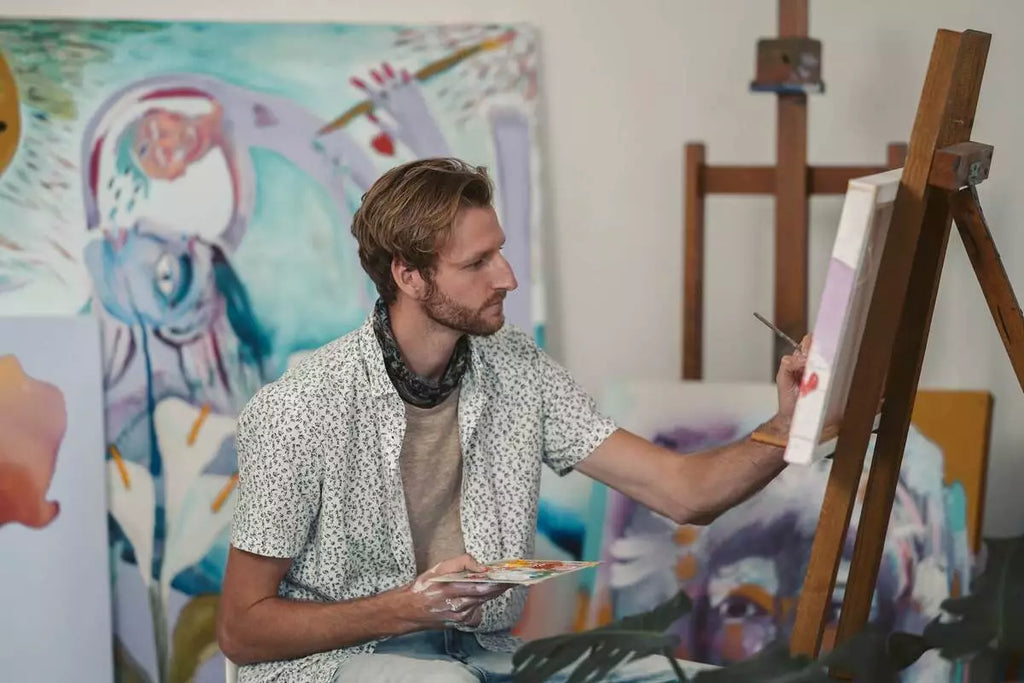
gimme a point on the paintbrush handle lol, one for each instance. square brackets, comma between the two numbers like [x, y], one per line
[782, 335]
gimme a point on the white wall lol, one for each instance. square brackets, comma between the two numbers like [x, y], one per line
[627, 82]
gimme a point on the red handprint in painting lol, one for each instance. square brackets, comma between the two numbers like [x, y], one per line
[33, 420]
[401, 112]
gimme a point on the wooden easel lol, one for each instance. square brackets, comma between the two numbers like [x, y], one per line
[790, 67]
[938, 183]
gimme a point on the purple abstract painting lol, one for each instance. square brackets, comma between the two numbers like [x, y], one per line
[745, 570]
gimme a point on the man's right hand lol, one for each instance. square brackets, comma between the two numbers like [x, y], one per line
[424, 605]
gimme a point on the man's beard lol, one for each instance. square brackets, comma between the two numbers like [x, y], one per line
[444, 311]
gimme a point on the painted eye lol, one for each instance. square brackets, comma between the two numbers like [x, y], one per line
[142, 150]
[165, 275]
[739, 608]
[173, 278]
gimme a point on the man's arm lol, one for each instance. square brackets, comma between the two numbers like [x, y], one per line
[689, 489]
[695, 488]
[254, 624]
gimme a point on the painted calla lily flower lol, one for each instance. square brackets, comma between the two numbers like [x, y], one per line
[189, 439]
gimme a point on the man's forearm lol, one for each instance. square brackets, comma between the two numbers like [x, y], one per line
[731, 474]
[691, 488]
[277, 628]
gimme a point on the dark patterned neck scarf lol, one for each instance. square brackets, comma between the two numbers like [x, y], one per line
[419, 391]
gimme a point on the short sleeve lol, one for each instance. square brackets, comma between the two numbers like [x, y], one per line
[572, 424]
[278, 476]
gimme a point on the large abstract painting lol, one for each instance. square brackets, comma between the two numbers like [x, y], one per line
[191, 187]
[55, 572]
[744, 571]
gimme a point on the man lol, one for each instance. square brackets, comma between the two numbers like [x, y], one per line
[413, 447]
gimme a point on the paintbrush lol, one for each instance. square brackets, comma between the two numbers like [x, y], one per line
[782, 335]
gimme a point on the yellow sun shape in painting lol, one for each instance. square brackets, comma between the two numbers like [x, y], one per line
[10, 116]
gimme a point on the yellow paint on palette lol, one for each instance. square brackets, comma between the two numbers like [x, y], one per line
[10, 115]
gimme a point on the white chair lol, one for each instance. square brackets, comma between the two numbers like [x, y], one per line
[230, 671]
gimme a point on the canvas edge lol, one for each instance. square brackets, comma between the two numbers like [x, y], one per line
[863, 197]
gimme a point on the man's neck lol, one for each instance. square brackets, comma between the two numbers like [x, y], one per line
[426, 347]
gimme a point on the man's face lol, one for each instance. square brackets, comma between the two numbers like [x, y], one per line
[471, 277]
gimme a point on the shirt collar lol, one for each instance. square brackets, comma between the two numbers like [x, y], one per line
[373, 361]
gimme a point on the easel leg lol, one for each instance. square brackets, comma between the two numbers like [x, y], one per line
[826, 553]
[904, 373]
[909, 349]
[981, 249]
[791, 197]
[791, 223]
[693, 260]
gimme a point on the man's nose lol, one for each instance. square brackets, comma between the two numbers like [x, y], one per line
[507, 278]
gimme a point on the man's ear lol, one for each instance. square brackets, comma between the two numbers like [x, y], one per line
[408, 279]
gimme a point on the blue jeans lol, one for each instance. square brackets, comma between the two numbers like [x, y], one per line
[456, 657]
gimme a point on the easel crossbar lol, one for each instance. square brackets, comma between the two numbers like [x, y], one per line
[701, 180]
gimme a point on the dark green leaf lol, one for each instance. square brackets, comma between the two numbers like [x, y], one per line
[773, 664]
[594, 653]
[656, 620]
[906, 648]
[597, 651]
[872, 655]
[990, 617]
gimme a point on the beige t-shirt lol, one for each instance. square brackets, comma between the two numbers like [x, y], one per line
[431, 463]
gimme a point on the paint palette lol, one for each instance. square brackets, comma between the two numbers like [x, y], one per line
[518, 571]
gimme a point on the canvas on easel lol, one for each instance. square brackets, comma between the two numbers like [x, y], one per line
[839, 325]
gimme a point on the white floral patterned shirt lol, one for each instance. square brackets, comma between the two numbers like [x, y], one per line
[319, 478]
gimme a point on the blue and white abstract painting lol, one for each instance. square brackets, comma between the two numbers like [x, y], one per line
[191, 185]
